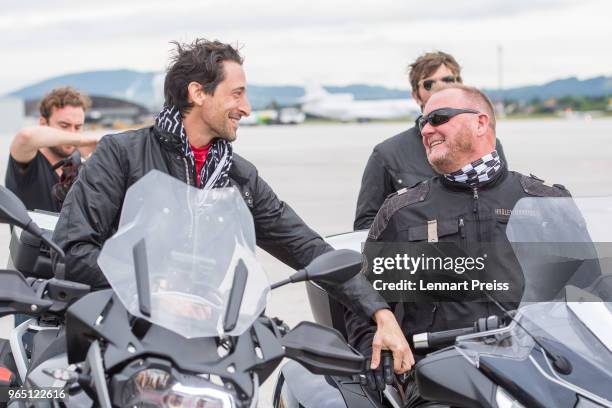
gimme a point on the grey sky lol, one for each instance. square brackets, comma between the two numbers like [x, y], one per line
[332, 42]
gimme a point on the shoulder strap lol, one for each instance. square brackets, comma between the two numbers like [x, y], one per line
[539, 188]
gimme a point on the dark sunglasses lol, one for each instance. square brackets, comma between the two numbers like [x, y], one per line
[441, 116]
[428, 83]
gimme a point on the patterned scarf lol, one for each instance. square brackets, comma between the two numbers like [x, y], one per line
[478, 171]
[215, 171]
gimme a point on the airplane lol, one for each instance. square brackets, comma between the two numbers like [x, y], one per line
[318, 102]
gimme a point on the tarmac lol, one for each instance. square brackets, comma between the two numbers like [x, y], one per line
[317, 168]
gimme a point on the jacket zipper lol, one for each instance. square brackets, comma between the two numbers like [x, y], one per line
[461, 228]
[475, 209]
[187, 171]
[434, 309]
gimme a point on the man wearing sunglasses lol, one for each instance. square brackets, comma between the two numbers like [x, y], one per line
[469, 200]
[400, 161]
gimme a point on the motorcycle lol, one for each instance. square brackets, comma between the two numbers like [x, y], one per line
[553, 350]
[183, 323]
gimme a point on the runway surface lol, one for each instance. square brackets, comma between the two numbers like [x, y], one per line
[317, 170]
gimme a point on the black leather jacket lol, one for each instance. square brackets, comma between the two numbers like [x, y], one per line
[463, 214]
[395, 163]
[91, 212]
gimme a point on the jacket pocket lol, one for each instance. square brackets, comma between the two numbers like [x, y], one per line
[420, 232]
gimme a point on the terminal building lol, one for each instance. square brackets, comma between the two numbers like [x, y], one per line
[106, 111]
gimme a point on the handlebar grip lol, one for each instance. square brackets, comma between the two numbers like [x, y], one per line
[439, 339]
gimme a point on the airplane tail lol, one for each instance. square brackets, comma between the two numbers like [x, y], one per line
[314, 92]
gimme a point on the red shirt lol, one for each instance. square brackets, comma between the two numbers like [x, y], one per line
[199, 153]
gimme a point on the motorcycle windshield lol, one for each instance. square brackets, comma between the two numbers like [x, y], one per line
[177, 254]
[564, 249]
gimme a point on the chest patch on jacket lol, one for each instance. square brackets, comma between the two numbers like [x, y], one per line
[505, 212]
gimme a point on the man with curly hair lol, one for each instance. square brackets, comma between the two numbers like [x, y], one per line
[35, 151]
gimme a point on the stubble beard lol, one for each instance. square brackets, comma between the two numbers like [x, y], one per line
[60, 152]
[225, 131]
[229, 135]
[453, 158]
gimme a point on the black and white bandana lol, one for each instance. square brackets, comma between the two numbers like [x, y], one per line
[215, 171]
[477, 171]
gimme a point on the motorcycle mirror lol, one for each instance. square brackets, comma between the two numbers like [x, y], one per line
[321, 350]
[13, 212]
[336, 266]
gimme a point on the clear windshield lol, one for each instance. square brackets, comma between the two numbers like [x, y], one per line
[194, 241]
[563, 246]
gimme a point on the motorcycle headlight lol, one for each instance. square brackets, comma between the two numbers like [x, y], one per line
[154, 387]
[504, 400]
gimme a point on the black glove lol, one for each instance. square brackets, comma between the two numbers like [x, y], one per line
[376, 380]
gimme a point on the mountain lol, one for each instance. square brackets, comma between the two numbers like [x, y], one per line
[598, 86]
[261, 96]
[140, 87]
[146, 88]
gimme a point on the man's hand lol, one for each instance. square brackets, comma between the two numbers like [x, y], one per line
[390, 336]
[377, 380]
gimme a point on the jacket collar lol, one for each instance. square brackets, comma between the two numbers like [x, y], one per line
[168, 140]
[173, 143]
[499, 176]
[417, 132]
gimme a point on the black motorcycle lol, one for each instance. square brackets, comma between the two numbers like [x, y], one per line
[183, 323]
[553, 350]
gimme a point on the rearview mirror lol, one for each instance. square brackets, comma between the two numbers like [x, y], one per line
[321, 350]
[12, 210]
[336, 266]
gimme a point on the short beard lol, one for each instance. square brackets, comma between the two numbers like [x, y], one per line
[451, 160]
[230, 137]
[441, 165]
[59, 152]
[226, 134]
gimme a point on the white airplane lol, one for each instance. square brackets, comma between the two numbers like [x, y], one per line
[343, 106]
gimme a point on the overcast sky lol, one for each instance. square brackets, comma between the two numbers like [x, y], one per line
[333, 42]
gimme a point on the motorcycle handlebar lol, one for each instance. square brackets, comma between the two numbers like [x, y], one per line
[439, 339]
[446, 338]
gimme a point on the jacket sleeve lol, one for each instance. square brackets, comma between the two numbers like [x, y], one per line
[360, 331]
[500, 151]
[90, 214]
[375, 187]
[283, 234]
